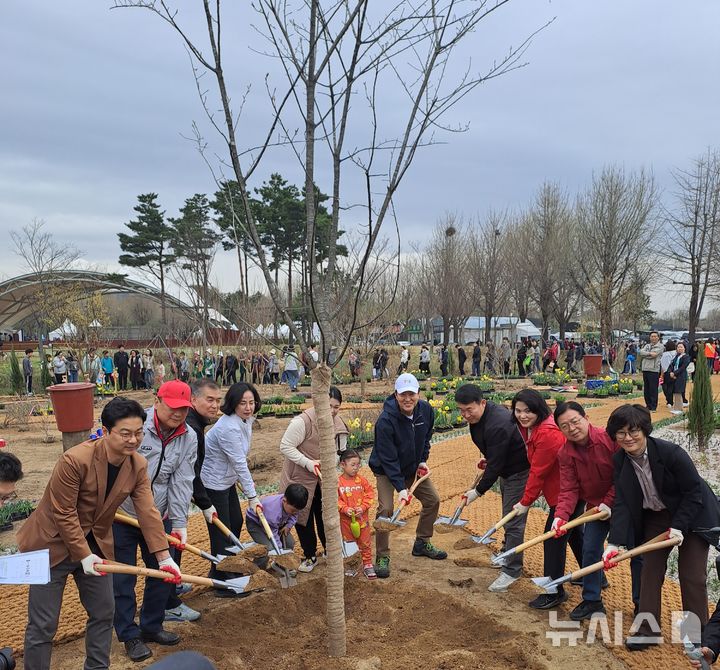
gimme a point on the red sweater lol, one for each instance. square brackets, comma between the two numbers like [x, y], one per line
[586, 473]
[543, 445]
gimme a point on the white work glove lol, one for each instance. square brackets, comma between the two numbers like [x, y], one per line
[470, 496]
[208, 513]
[674, 533]
[405, 497]
[253, 503]
[520, 508]
[609, 554]
[89, 563]
[557, 526]
[172, 568]
[602, 507]
[422, 469]
[180, 534]
[313, 467]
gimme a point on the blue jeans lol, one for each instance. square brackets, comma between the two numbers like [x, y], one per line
[155, 597]
[72, 376]
[292, 378]
[476, 368]
[593, 546]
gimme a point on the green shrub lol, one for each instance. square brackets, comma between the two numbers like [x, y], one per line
[701, 414]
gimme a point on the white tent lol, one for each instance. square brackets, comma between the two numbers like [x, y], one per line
[68, 329]
[526, 329]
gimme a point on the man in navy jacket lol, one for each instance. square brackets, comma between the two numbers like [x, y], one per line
[402, 446]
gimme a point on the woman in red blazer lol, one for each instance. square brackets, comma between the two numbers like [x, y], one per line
[544, 440]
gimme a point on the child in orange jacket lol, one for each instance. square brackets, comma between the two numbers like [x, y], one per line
[355, 496]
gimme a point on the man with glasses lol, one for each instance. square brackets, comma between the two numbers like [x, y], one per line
[586, 475]
[73, 520]
[170, 449]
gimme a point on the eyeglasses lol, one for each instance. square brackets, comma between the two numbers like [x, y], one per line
[8, 497]
[573, 423]
[127, 435]
[625, 434]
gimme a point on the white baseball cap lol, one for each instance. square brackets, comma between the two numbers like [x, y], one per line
[406, 382]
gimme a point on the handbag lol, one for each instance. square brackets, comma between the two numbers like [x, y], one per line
[690, 368]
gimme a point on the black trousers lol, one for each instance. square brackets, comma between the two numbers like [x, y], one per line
[231, 376]
[306, 534]
[122, 378]
[555, 549]
[227, 505]
[650, 389]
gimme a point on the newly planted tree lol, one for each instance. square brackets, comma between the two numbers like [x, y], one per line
[701, 413]
[331, 113]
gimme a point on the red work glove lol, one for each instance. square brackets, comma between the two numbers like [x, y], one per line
[422, 470]
[557, 526]
[180, 546]
[482, 464]
[171, 567]
[611, 552]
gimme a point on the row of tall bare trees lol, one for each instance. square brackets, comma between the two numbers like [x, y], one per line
[600, 252]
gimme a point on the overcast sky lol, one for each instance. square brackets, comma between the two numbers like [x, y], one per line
[96, 103]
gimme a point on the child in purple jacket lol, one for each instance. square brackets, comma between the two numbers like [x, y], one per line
[281, 512]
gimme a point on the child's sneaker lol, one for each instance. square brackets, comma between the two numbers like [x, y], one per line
[308, 564]
[369, 571]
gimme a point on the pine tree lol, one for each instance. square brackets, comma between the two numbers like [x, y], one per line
[148, 247]
[45, 378]
[701, 415]
[16, 377]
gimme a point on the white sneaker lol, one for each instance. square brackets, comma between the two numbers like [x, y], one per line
[686, 404]
[501, 584]
[308, 564]
[669, 405]
[182, 613]
[676, 411]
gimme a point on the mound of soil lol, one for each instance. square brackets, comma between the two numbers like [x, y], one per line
[391, 625]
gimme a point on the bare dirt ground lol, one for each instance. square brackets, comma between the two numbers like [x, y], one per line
[419, 618]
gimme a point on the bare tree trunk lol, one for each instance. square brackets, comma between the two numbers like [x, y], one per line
[320, 388]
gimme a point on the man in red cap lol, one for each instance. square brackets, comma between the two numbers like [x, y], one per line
[170, 448]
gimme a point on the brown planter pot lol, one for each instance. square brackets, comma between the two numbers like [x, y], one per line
[73, 406]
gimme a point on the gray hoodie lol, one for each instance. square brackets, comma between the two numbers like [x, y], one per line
[171, 469]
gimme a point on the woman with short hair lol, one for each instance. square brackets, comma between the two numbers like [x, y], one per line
[658, 489]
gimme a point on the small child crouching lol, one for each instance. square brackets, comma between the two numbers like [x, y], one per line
[281, 512]
[355, 496]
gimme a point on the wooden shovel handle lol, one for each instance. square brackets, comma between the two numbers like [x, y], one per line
[659, 542]
[221, 526]
[130, 521]
[590, 515]
[510, 515]
[265, 525]
[418, 481]
[122, 569]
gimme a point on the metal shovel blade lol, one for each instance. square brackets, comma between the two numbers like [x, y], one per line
[237, 584]
[349, 549]
[286, 578]
[551, 585]
[498, 559]
[451, 521]
[487, 538]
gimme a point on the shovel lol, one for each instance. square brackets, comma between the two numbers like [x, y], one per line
[591, 515]
[249, 550]
[660, 542]
[487, 537]
[351, 558]
[281, 556]
[130, 521]
[387, 524]
[237, 585]
[447, 523]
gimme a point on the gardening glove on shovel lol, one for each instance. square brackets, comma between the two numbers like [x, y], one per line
[557, 526]
[173, 570]
[482, 464]
[602, 507]
[209, 513]
[405, 497]
[181, 535]
[89, 563]
[254, 503]
[674, 533]
[470, 496]
[611, 552]
[422, 469]
[520, 508]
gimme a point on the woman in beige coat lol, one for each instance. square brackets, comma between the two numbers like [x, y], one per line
[300, 446]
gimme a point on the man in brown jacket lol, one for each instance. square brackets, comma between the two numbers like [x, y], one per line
[74, 521]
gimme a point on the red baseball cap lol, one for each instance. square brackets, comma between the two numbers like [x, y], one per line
[175, 394]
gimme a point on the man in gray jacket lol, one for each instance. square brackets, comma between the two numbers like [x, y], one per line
[650, 356]
[170, 448]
